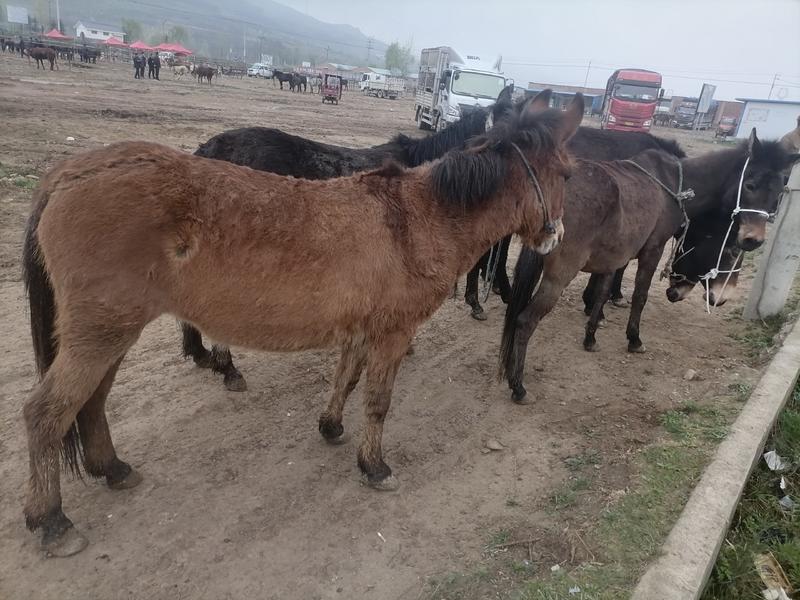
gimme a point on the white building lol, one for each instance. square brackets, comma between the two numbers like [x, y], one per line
[771, 118]
[97, 31]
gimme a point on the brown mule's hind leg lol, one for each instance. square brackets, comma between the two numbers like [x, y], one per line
[50, 412]
[646, 269]
[348, 372]
[99, 457]
[383, 361]
[471, 294]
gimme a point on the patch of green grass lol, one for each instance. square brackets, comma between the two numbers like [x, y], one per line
[567, 495]
[588, 458]
[25, 183]
[741, 390]
[759, 336]
[691, 421]
[760, 525]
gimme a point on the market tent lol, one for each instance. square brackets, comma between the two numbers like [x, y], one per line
[55, 34]
[178, 49]
[140, 45]
[116, 42]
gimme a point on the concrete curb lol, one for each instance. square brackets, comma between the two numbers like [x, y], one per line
[690, 551]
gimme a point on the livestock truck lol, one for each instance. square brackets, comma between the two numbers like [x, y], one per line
[382, 85]
[630, 100]
[450, 86]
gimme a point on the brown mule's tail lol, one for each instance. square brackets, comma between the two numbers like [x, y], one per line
[40, 293]
[528, 271]
[41, 301]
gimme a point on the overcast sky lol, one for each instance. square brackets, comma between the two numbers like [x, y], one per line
[736, 44]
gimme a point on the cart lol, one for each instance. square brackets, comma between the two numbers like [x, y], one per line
[331, 89]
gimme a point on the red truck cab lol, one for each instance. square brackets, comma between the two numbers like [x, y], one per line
[631, 99]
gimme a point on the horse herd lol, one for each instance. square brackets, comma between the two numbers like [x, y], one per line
[297, 81]
[356, 254]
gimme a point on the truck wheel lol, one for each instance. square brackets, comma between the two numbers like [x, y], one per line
[380, 93]
[424, 126]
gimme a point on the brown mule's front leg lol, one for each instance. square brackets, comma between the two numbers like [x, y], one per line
[601, 289]
[222, 362]
[648, 262]
[348, 372]
[383, 361]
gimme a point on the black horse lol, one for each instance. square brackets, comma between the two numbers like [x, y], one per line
[282, 78]
[277, 152]
[588, 143]
[297, 81]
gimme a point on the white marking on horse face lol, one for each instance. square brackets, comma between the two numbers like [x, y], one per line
[551, 241]
[721, 293]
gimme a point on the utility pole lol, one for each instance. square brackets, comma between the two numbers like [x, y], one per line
[244, 45]
[586, 80]
[772, 87]
[369, 50]
[327, 50]
[58, 16]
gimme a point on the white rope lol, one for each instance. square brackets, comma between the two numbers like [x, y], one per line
[716, 271]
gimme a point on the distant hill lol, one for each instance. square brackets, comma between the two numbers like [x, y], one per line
[220, 29]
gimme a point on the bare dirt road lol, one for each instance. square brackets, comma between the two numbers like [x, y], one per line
[241, 497]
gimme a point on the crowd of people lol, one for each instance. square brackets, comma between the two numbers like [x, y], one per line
[152, 62]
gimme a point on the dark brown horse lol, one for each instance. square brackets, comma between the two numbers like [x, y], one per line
[42, 54]
[123, 234]
[588, 143]
[278, 152]
[616, 212]
[204, 72]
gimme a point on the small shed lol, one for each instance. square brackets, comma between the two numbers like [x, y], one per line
[771, 118]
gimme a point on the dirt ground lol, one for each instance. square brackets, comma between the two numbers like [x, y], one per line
[241, 497]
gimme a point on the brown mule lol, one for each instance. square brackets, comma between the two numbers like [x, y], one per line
[121, 235]
[615, 211]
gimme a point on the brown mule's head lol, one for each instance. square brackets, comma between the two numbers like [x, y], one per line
[761, 185]
[541, 135]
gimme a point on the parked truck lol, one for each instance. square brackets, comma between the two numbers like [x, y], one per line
[630, 100]
[450, 86]
[382, 85]
[687, 117]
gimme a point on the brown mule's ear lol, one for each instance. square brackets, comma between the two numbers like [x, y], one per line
[538, 103]
[571, 118]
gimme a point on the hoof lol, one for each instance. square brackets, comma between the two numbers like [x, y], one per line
[332, 432]
[387, 484]
[131, 480]
[590, 347]
[410, 351]
[478, 314]
[640, 349]
[337, 440]
[235, 382]
[520, 396]
[619, 303]
[68, 543]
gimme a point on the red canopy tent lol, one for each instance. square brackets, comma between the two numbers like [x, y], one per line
[178, 49]
[140, 45]
[115, 42]
[55, 34]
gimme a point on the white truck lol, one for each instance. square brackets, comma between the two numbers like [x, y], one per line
[450, 86]
[382, 85]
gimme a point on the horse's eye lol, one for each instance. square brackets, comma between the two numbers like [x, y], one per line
[749, 186]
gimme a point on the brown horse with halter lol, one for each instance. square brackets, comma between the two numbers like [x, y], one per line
[123, 234]
[617, 211]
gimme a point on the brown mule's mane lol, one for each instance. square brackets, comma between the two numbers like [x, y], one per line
[467, 178]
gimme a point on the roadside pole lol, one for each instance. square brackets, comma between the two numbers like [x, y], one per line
[781, 257]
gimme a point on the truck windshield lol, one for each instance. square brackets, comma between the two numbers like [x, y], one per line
[479, 85]
[635, 93]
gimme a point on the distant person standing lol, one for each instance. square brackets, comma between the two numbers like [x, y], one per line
[136, 66]
[151, 69]
[156, 65]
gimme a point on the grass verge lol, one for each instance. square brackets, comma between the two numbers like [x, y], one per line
[760, 525]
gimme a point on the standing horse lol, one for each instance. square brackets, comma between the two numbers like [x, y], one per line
[282, 78]
[116, 239]
[42, 54]
[205, 72]
[617, 211]
[588, 143]
[278, 152]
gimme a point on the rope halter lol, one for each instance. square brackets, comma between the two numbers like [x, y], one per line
[681, 196]
[549, 226]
